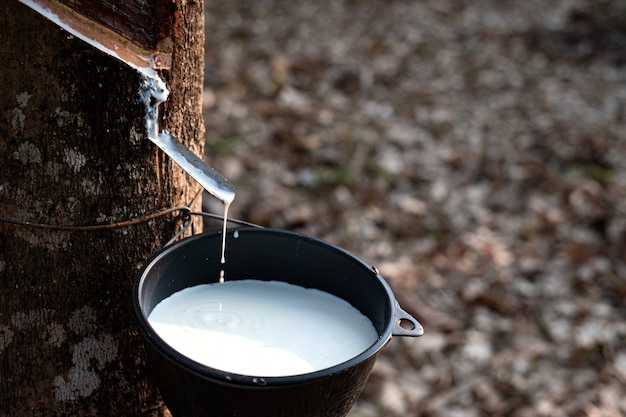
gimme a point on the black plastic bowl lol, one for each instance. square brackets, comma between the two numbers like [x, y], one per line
[190, 389]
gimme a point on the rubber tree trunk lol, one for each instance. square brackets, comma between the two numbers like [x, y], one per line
[73, 153]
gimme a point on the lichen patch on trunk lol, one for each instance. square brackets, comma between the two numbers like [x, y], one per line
[88, 356]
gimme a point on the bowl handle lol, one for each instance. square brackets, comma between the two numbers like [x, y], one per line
[405, 324]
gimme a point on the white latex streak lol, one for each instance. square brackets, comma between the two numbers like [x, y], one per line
[50, 15]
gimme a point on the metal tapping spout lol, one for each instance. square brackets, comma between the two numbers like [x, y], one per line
[154, 92]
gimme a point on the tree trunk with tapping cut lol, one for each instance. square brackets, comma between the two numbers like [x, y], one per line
[73, 153]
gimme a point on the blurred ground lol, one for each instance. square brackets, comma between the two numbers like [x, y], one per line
[475, 152]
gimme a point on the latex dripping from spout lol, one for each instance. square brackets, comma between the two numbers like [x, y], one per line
[154, 92]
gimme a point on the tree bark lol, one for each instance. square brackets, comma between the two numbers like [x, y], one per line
[73, 153]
